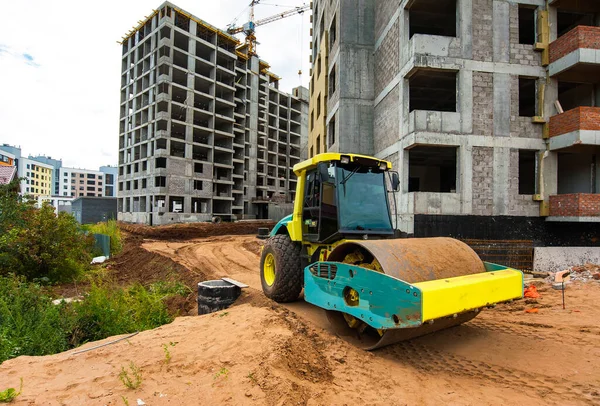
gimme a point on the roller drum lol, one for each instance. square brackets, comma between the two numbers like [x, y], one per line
[416, 259]
[412, 260]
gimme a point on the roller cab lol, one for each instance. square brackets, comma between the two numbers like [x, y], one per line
[384, 302]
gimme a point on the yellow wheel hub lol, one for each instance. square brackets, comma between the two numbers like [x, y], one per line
[269, 269]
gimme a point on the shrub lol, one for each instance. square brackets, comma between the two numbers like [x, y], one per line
[108, 311]
[111, 229]
[29, 323]
[46, 246]
[14, 209]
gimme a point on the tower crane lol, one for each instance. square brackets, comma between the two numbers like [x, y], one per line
[249, 28]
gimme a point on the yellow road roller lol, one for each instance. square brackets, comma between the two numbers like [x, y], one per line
[341, 247]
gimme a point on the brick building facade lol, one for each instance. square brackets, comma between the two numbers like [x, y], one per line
[487, 108]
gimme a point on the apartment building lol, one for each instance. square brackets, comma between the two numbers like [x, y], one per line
[489, 109]
[37, 176]
[56, 165]
[111, 174]
[7, 159]
[77, 182]
[204, 129]
[13, 153]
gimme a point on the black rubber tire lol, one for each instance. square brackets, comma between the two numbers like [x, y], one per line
[263, 233]
[216, 295]
[288, 269]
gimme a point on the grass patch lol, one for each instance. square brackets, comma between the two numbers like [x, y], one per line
[108, 311]
[167, 352]
[222, 372]
[252, 378]
[133, 381]
[110, 228]
[31, 325]
[10, 394]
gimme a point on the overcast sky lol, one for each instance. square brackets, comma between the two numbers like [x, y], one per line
[60, 68]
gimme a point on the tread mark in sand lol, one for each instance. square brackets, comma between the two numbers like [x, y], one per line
[431, 360]
[531, 331]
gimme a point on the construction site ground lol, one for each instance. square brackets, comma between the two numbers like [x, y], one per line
[260, 352]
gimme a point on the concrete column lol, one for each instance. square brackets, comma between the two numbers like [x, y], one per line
[502, 105]
[252, 125]
[404, 108]
[465, 177]
[189, 99]
[549, 173]
[501, 30]
[465, 27]
[465, 100]
[553, 22]
[501, 180]
[404, 37]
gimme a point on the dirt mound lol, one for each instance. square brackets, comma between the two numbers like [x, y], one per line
[136, 264]
[239, 356]
[264, 353]
[196, 230]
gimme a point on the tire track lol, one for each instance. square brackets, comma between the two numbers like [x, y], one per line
[217, 257]
[535, 331]
[432, 361]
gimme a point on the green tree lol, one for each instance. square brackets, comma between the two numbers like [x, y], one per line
[36, 243]
[14, 209]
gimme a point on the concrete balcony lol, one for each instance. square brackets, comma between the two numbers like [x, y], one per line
[579, 126]
[164, 59]
[434, 121]
[162, 134]
[162, 115]
[435, 45]
[164, 42]
[579, 207]
[576, 55]
[223, 180]
[163, 97]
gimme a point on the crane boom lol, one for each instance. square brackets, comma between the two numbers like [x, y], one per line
[250, 27]
[297, 10]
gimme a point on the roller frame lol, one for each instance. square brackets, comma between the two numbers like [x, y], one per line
[381, 296]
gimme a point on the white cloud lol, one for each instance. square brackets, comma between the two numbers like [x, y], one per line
[60, 68]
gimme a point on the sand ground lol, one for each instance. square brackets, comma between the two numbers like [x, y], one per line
[259, 352]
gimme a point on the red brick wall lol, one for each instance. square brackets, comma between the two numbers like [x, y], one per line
[580, 118]
[579, 37]
[575, 205]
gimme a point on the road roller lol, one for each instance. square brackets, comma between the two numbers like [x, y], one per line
[378, 287]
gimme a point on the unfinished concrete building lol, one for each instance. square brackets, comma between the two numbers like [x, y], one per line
[204, 130]
[460, 96]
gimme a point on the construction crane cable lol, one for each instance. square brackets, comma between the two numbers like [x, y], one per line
[277, 5]
[301, 50]
[232, 24]
[249, 28]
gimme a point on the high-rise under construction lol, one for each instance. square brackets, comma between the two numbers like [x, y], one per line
[204, 130]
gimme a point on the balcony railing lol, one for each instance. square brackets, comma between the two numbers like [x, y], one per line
[580, 37]
[577, 119]
[575, 205]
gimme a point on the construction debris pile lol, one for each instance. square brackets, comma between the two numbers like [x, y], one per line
[581, 273]
[585, 272]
